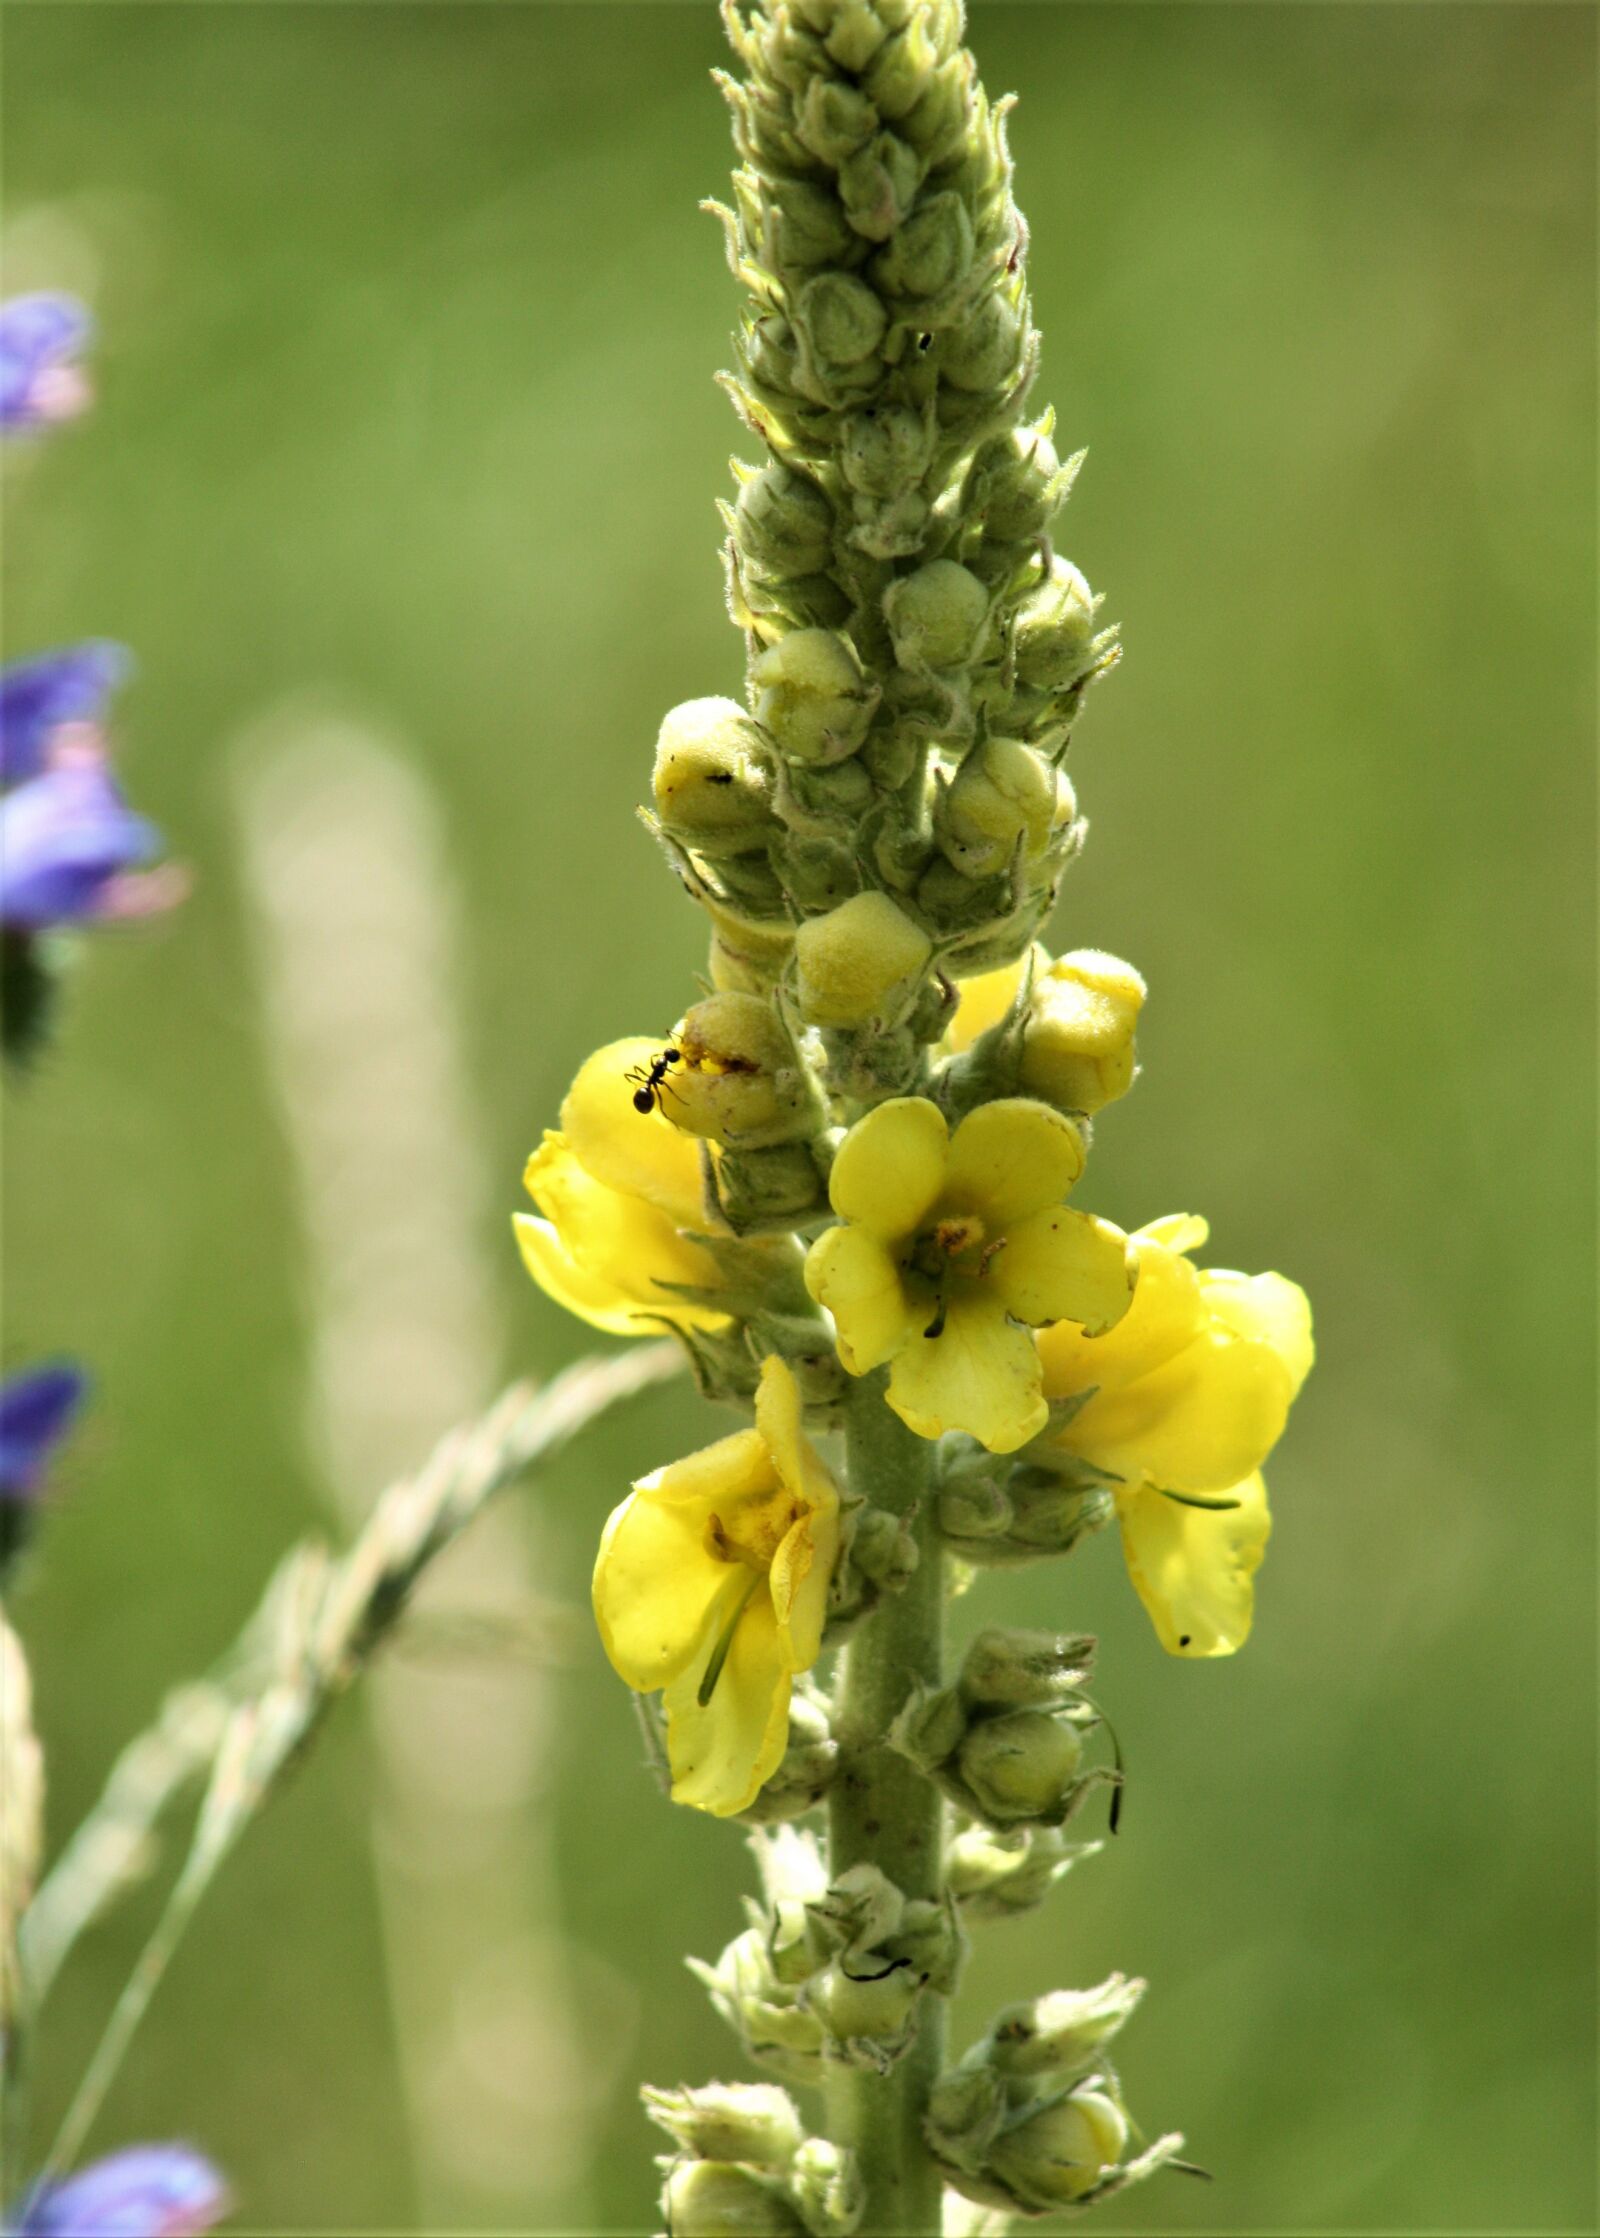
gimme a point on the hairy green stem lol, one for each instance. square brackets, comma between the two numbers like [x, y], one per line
[883, 1812]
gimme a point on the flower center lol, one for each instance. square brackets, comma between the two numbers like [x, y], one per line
[951, 1238]
[753, 1531]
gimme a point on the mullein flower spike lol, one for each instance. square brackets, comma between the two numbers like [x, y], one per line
[842, 1177]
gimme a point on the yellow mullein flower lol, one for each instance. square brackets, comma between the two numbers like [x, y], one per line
[618, 1187]
[947, 1243]
[1189, 1394]
[712, 1585]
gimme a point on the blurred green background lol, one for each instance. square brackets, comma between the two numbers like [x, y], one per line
[405, 400]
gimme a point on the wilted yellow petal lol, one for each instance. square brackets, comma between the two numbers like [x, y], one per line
[1193, 1568]
[1061, 1265]
[849, 1271]
[723, 1750]
[1011, 1158]
[979, 1374]
[890, 1167]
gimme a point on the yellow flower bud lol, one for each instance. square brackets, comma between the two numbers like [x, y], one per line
[711, 789]
[1002, 793]
[739, 1079]
[859, 962]
[1078, 1042]
[936, 615]
[1062, 2151]
[812, 695]
[1055, 630]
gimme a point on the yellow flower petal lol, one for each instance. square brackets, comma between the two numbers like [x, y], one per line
[1167, 1314]
[890, 1167]
[802, 1570]
[658, 1588]
[849, 1271]
[984, 1002]
[613, 1252]
[979, 1374]
[559, 1276]
[721, 1753]
[1011, 1158]
[639, 1153]
[1193, 1567]
[1267, 1308]
[1061, 1265]
[780, 1424]
[1198, 1423]
[1176, 1231]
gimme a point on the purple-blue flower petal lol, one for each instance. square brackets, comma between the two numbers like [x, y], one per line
[63, 837]
[68, 686]
[37, 1408]
[37, 334]
[149, 2191]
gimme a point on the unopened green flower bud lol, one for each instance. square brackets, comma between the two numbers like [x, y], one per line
[711, 786]
[768, 1190]
[883, 1548]
[754, 2122]
[1002, 794]
[1054, 640]
[739, 1079]
[985, 351]
[834, 119]
[820, 873]
[1060, 2153]
[966, 2107]
[841, 318]
[712, 2199]
[808, 227]
[1010, 1669]
[747, 956]
[869, 2017]
[903, 69]
[878, 184]
[1051, 1513]
[827, 2187]
[936, 615]
[1017, 483]
[763, 2008]
[975, 1506]
[938, 123]
[931, 251]
[860, 962]
[1061, 2033]
[751, 884]
[893, 529]
[1021, 1766]
[997, 1876]
[1078, 1039]
[784, 522]
[813, 695]
[885, 450]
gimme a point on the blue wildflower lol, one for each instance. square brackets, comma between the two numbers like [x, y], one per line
[40, 379]
[38, 696]
[37, 1409]
[149, 2191]
[68, 840]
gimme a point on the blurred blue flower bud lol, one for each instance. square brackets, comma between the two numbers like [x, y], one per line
[40, 695]
[67, 841]
[40, 380]
[149, 2191]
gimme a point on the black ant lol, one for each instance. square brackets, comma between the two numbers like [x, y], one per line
[653, 1080]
